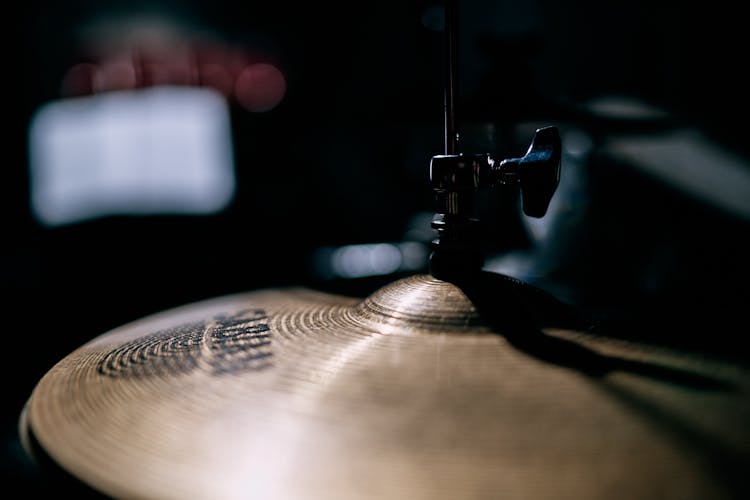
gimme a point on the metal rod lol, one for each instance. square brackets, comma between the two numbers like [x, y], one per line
[451, 71]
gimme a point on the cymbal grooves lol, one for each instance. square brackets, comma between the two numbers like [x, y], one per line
[421, 302]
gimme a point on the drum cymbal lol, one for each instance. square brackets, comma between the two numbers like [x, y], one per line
[421, 391]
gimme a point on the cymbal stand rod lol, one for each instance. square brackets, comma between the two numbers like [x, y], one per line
[455, 177]
[456, 248]
[451, 73]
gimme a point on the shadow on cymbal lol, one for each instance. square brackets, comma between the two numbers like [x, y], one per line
[520, 311]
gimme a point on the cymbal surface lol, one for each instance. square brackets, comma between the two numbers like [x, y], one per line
[408, 393]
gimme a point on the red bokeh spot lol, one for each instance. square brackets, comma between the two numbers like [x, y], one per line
[235, 72]
[115, 75]
[260, 87]
[79, 80]
[217, 77]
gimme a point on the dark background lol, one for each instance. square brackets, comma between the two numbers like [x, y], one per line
[344, 159]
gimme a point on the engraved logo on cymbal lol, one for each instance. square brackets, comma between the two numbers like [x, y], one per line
[225, 344]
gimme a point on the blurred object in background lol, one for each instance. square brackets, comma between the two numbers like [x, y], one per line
[143, 125]
[649, 228]
[357, 268]
[370, 259]
[166, 150]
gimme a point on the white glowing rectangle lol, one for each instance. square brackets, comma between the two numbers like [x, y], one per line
[162, 150]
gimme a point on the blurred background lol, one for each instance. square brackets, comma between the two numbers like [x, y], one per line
[163, 152]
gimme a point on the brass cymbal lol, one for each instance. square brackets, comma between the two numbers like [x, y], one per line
[417, 391]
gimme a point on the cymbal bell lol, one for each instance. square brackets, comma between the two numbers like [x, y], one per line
[425, 389]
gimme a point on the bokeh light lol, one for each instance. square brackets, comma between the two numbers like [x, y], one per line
[260, 87]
